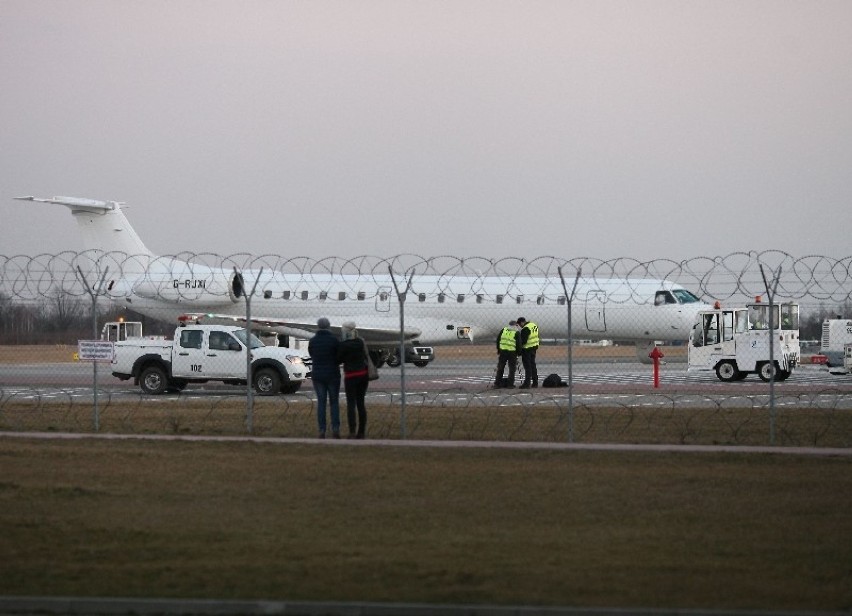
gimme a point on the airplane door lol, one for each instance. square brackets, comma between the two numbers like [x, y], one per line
[595, 316]
[383, 299]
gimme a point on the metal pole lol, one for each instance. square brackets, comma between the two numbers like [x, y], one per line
[249, 392]
[770, 293]
[401, 296]
[569, 299]
[94, 295]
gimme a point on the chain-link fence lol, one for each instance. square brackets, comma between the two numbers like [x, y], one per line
[433, 325]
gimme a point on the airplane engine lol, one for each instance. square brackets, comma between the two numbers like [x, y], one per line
[210, 288]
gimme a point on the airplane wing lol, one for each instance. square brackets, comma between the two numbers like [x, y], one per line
[301, 329]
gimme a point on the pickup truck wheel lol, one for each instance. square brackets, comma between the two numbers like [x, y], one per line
[153, 380]
[267, 382]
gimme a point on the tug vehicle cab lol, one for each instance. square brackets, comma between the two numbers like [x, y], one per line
[734, 342]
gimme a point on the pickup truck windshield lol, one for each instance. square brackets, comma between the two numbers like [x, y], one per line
[255, 341]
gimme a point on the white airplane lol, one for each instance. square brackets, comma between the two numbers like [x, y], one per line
[438, 309]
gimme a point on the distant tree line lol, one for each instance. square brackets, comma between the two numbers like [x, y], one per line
[810, 320]
[63, 319]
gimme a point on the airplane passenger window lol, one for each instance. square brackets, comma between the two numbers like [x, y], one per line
[539, 300]
[441, 298]
[479, 298]
[499, 299]
[520, 299]
[341, 296]
[323, 295]
[421, 297]
[286, 295]
[304, 295]
[561, 300]
[361, 296]
[460, 298]
[267, 294]
[383, 296]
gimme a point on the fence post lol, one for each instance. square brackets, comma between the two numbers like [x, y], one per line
[249, 392]
[401, 296]
[93, 293]
[569, 299]
[770, 293]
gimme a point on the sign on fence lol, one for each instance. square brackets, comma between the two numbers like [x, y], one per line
[95, 350]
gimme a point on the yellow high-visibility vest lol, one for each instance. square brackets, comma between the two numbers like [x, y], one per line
[507, 339]
[532, 340]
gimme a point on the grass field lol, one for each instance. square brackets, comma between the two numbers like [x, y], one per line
[540, 421]
[331, 521]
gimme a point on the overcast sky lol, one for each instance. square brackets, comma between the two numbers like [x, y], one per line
[645, 129]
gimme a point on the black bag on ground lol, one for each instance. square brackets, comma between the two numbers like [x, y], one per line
[553, 380]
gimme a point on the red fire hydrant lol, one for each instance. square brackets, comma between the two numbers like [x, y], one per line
[656, 355]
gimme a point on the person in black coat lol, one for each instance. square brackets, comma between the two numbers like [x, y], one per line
[352, 353]
[325, 375]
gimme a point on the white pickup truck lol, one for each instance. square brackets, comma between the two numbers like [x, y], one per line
[201, 353]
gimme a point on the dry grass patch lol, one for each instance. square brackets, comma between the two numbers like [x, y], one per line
[543, 421]
[316, 522]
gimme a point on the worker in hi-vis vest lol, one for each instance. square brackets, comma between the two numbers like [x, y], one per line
[508, 345]
[529, 346]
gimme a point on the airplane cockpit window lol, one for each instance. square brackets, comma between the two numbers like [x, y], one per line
[685, 297]
[191, 339]
[664, 297]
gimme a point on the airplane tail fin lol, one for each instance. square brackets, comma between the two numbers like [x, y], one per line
[103, 225]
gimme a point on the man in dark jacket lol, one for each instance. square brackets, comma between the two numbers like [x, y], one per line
[529, 345]
[325, 374]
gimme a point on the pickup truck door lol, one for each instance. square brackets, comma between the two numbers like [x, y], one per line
[188, 358]
[226, 357]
